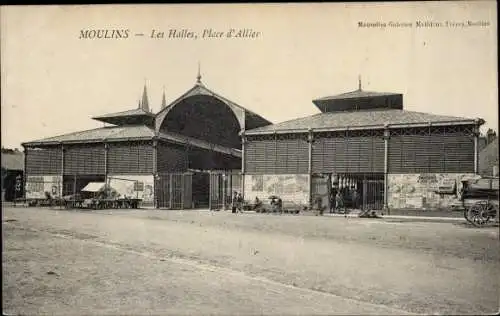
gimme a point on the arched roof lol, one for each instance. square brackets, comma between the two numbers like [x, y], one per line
[245, 117]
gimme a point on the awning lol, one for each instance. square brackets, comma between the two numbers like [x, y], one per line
[94, 187]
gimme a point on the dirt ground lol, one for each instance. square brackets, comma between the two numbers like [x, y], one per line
[191, 262]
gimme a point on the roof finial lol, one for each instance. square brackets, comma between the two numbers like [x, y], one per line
[163, 100]
[359, 82]
[198, 77]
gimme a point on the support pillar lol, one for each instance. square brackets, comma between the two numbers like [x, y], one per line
[387, 135]
[223, 191]
[243, 161]
[155, 174]
[310, 140]
[62, 170]
[25, 177]
[106, 149]
[476, 147]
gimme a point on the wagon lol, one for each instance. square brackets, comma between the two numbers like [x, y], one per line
[480, 200]
[286, 207]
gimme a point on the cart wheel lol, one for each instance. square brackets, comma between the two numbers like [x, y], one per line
[480, 213]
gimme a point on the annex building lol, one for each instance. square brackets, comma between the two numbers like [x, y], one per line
[393, 157]
[186, 155]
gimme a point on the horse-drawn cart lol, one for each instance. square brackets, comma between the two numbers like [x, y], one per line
[480, 199]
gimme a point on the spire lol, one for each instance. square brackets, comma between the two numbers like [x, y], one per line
[139, 104]
[145, 102]
[359, 82]
[163, 100]
[198, 77]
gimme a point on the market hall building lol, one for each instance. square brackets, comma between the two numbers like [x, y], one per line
[187, 155]
[394, 158]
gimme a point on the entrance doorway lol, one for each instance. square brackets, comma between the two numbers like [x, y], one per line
[369, 186]
[201, 190]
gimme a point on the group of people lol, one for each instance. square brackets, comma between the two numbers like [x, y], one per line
[338, 198]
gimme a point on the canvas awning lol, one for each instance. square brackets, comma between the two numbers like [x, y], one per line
[94, 187]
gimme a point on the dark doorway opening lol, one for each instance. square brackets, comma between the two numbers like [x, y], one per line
[201, 190]
[369, 188]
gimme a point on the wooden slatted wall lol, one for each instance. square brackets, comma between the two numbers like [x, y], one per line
[436, 152]
[171, 158]
[130, 158]
[282, 154]
[44, 161]
[84, 159]
[348, 152]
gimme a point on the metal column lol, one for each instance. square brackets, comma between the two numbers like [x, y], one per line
[476, 148]
[155, 174]
[310, 140]
[62, 170]
[25, 177]
[243, 142]
[387, 135]
[106, 149]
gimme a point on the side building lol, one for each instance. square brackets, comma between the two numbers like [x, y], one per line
[187, 155]
[396, 159]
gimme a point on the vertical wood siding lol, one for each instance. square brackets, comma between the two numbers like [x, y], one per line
[276, 155]
[345, 153]
[171, 158]
[44, 161]
[434, 152]
[130, 158]
[84, 159]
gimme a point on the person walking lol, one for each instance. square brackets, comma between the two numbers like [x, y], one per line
[239, 203]
[354, 198]
[234, 202]
[339, 202]
[333, 195]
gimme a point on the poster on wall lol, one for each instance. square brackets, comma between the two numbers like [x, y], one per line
[425, 191]
[40, 187]
[136, 187]
[288, 187]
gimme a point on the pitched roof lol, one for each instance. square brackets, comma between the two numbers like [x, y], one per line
[359, 120]
[13, 161]
[138, 116]
[488, 158]
[99, 134]
[124, 133]
[356, 94]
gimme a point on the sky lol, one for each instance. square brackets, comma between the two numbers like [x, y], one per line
[53, 82]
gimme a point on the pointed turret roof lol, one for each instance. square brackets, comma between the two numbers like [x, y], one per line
[145, 101]
[163, 100]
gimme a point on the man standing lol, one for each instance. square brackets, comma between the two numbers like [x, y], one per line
[354, 198]
[333, 195]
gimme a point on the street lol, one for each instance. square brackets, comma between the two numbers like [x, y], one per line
[135, 262]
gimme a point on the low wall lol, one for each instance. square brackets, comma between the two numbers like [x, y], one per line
[424, 190]
[293, 187]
